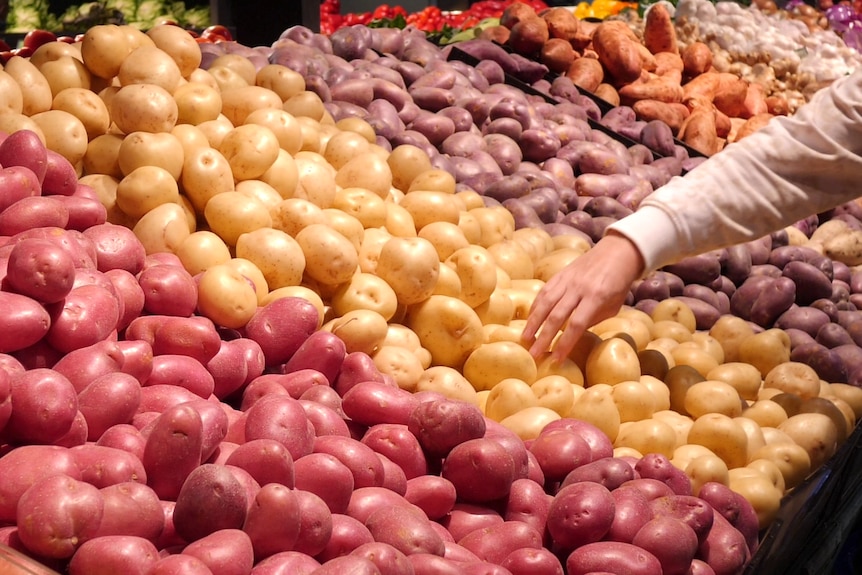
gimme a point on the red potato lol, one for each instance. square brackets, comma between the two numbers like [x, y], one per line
[457, 552]
[236, 363]
[160, 397]
[514, 446]
[405, 529]
[168, 290]
[5, 399]
[77, 434]
[117, 247]
[481, 470]
[527, 561]
[195, 336]
[735, 508]
[315, 523]
[295, 383]
[347, 565]
[366, 467]
[40, 269]
[25, 465]
[580, 514]
[658, 466]
[357, 367]
[443, 424]
[281, 327]
[286, 563]
[83, 212]
[433, 494]
[124, 436]
[226, 552]
[129, 294]
[651, 488]
[631, 512]
[671, 541]
[214, 421]
[388, 559]
[169, 537]
[111, 399]
[494, 543]
[528, 503]
[181, 371]
[282, 418]
[82, 249]
[612, 557]
[180, 564]
[33, 212]
[724, 548]
[429, 564]
[25, 148]
[24, 322]
[18, 182]
[324, 419]
[131, 508]
[559, 451]
[173, 450]
[364, 501]
[399, 445]
[322, 351]
[609, 471]
[325, 396]
[267, 460]
[44, 406]
[326, 476]
[347, 535]
[211, 498]
[137, 358]
[57, 514]
[110, 554]
[693, 511]
[262, 387]
[10, 365]
[465, 518]
[600, 445]
[371, 403]
[102, 466]
[60, 178]
[272, 522]
[39, 355]
[393, 476]
[87, 315]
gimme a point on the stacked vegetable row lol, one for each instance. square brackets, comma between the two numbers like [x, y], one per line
[345, 348]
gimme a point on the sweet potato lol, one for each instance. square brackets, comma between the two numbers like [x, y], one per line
[699, 131]
[652, 87]
[731, 94]
[659, 31]
[648, 61]
[669, 64]
[670, 113]
[777, 105]
[752, 125]
[617, 49]
[562, 23]
[702, 86]
[528, 36]
[755, 100]
[586, 73]
[723, 124]
[696, 59]
[608, 93]
[557, 54]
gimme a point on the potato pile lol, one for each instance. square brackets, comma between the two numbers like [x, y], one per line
[239, 173]
[648, 70]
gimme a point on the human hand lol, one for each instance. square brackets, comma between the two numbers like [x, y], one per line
[590, 289]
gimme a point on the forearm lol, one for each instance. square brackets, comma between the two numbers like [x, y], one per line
[786, 171]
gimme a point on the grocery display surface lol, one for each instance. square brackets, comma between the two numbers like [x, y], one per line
[276, 326]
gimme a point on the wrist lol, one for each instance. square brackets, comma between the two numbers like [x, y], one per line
[623, 252]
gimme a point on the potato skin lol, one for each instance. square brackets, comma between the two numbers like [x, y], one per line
[615, 555]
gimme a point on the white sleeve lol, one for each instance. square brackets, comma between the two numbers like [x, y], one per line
[789, 169]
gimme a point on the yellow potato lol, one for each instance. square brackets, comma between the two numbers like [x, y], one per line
[65, 72]
[283, 125]
[765, 350]
[723, 436]
[250, 150]
[596, 405]
[104, 47]
[367, 170]
[34, 89]
[102, 156]
[507, 397]
[140, 149]
[316, 180]
[672, 309]
[179, 45]
[150, 65]
[239, 64]
[411, 267]
[427, 207]
[529, 422]
[144, 189]
[306, 104]
[744, 377]
[647, 436]
[791, 459]
[493, 362]
[706, 468]
[206, 173]
[362, 204]
[634, 401]
[712, 396]
[612, 361]
[685, 453]
[163, 229]
[64, 133]
[816, 433]
[475, 267]
[201, 250]
[197, 103]
[498, 308]
[144, 108]
[406, 162]
[330, 258]
[278, 255]
[762, 494]
[670, 329]
[556, 393]
[226, 297]
[794, 377]
[241, 100]
[361, 330]
[282, 175]
[359, 126]
[447, 327]
[638, 330]
[365, 291]
[400, 363]
[448, 381]
[495, 224]
[232, 214]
